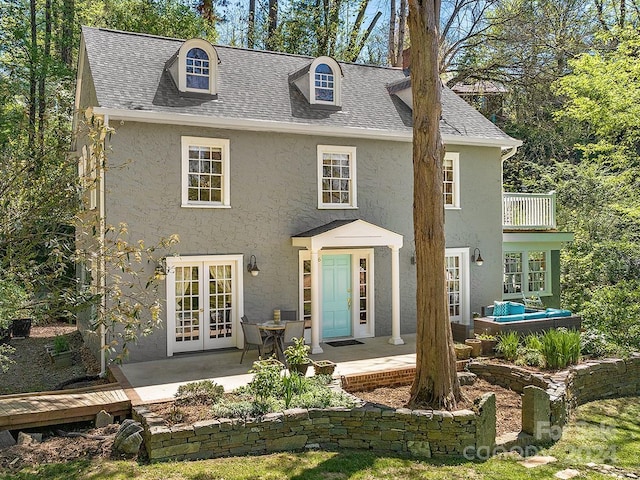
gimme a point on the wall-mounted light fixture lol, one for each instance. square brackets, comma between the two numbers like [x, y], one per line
[252, 267]
[477, 258]
[161, 269]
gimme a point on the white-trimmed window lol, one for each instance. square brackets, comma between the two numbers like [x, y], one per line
[526, 273]
[451, 180]
[325, 82]
[457, 278]
[205, 172]
[197, 67]
[336, 177]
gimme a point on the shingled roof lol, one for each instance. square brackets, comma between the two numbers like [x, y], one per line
[128, 70]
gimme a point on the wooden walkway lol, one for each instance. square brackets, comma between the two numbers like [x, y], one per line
[30, 410]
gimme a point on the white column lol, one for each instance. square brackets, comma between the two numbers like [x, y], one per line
[395, 296]
[315, 303]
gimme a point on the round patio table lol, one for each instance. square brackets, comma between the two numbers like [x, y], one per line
[275, 330]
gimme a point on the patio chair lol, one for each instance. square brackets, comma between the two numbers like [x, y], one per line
[289, 315]
[252, 338]
[533, 301]
[292, 330]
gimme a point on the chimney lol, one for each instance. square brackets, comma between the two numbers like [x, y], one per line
[406, 59]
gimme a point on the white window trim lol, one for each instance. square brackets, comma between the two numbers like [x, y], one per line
[351, 151]
[337, 81]
[465, 282]
[455, 162]
[226, 182]
[547, 292]
[238, 263]
[182, 66]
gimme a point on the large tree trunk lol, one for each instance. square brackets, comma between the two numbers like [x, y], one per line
[33, 77]
[436, 382]
[392, 34]
[67, 40]
[251, 25]
[272, 25]
[44, 69]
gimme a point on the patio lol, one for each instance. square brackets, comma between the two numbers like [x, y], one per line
[155, 381]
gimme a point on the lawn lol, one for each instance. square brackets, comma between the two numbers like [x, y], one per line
[601, 432]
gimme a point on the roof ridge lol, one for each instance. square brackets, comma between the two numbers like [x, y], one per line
[233, 47]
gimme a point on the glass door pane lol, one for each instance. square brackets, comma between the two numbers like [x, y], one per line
[187, 291]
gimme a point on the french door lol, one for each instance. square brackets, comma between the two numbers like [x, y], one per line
[203, 296]
[457, 277]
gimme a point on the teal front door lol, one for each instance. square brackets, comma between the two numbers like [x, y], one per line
[336, 296]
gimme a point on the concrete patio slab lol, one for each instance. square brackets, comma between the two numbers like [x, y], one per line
[156, 381]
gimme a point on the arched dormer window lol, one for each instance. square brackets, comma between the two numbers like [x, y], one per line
[325, 78]
[198, 67]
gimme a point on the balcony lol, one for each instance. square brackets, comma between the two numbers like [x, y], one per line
[529, 211]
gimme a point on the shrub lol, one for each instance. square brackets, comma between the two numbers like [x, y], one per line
[61, 344]
[203, 392]
[560, 348]
[266, 380]
[530, 353]
[508, 344]
[595, 343]
[12, 300]
[614, 312]
[238, 408]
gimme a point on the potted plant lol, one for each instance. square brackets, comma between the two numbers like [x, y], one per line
[60, 351]
[462, 351]
[297, 356]
[21, 327]
[323, 367]
[488, 342]
[476, 346]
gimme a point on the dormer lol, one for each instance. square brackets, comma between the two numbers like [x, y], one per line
[320, 83]
[194, 67]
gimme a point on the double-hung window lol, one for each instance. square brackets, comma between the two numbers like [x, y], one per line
[451, 180]
[205, 172]
[526, 273]
[336, 177]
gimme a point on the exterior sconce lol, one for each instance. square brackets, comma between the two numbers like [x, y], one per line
[252, 267]
[477, 258]
[161, 269]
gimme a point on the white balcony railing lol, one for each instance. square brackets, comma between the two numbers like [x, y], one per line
[529, 211]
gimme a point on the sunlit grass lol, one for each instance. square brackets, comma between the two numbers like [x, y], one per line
[581, 439]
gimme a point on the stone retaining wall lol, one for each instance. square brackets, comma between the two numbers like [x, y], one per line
[549, 399]
[418, 432]
[547, 403]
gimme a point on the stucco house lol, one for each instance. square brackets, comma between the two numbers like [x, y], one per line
[301, 166]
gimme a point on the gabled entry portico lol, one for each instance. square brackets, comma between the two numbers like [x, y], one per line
[349, 234]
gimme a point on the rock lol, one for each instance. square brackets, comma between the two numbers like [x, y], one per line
[537, 460]
[103, 418]
[29, 438]
[6, 439]
[128, 439]
[567, 474]
[466, 378]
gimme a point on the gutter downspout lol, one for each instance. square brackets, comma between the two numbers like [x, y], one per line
[102, 267]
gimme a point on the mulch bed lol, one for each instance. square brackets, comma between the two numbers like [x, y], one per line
[508, 402]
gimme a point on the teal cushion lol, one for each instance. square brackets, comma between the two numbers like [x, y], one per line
[500, 309]
[556, 312]
[509, 318]
[515, 308]
[535, 315]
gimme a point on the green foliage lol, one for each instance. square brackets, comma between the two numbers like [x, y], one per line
[530, 353]
[594, 343]
[266, 379]
[508, 344]
[560, 348]
[169, 18]
[298, 353]
[5, 356]
[614, 312]
[291, 385]
[12, 300]
[61, 344]
[203, 392]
